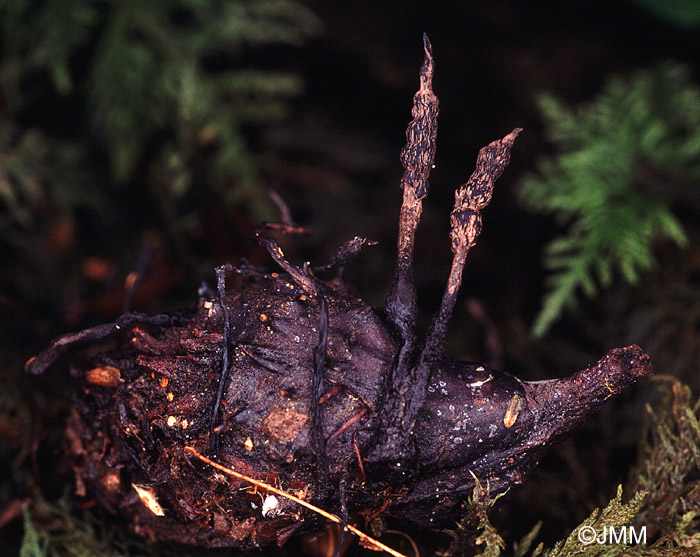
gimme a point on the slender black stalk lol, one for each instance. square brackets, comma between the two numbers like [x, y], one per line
[320, 352]
[225, 364]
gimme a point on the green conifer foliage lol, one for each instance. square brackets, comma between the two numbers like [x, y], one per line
[166, 72]
[684, 13]
[124, 119]
[608, 185]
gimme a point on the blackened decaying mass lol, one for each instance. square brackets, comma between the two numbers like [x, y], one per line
[289, 378]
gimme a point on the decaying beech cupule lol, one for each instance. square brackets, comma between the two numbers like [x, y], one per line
[293, 380]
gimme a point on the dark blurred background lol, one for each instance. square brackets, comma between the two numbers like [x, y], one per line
[138, 144]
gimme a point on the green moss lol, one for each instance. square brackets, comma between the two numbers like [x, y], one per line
[615, 515]
[475, 535]
[488, 538]
[669, 467]
[661, 519]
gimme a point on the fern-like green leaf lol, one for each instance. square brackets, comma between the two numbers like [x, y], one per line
[597, 189]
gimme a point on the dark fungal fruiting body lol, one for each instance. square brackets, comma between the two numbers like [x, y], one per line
[294, 381]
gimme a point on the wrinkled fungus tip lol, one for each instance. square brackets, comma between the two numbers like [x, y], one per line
[426, 71]
[427, 46]
[512, 135]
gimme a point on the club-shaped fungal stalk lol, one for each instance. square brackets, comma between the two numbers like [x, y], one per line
[465, 225]
[417, 158]
[410, 373]
[465, 220]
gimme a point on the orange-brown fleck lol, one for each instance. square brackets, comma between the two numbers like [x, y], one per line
[111, 482]
[131, 279]
[103, 376]
[284, 424]
[513, 410]
[97, 269]
[29, 362]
